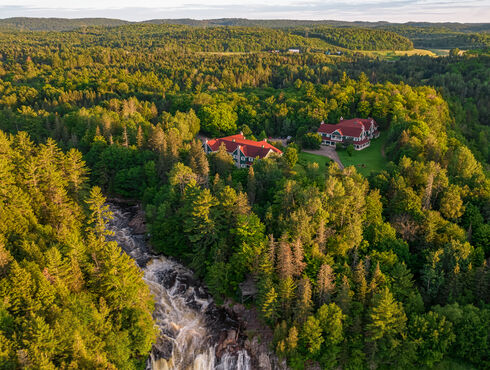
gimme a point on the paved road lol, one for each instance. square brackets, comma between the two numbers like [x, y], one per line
[327, 151]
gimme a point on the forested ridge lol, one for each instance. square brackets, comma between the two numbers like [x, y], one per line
[361, 35]
[358, 38]
[352, 272]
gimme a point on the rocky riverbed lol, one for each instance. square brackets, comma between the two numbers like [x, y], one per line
[195, 333]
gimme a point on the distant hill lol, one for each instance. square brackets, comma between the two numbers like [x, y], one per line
[58, 24]
[65, 24]
[357, 35]
[421, 34]
[286, 23]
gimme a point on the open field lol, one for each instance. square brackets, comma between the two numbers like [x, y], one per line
[440, 52]
[394, 54]
[366, 160]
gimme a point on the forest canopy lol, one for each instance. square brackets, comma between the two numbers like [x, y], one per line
[352, 271]
[67, 296]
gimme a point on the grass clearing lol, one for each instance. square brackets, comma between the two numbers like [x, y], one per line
[395, 54]
[440, 52]
[305, 158]
[366, 160]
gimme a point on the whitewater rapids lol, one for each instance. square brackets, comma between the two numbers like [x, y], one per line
[190, 325]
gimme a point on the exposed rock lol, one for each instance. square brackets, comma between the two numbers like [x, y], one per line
[230, 339]
[238, 309]
[264, 362]
[137, 223]
[262, 357]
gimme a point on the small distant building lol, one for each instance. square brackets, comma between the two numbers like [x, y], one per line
[293, 51]
[243, 151]
[356, 131]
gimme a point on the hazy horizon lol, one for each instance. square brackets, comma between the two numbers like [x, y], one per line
[398, 11]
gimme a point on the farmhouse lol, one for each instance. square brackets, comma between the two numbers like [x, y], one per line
[243, 151]
[356, 131]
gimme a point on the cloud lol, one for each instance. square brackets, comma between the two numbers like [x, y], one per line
[349, 10]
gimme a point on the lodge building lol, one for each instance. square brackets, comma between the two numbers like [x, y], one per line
[355, 131]
[243, 151]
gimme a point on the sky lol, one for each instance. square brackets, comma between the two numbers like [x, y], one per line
[464, 11]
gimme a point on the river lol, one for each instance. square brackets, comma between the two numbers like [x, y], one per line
[194, 333]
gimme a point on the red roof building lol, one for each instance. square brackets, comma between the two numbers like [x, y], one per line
[243, 151]
[356, 131]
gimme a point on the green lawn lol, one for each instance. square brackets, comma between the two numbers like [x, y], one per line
[308, 157]
[366, 160]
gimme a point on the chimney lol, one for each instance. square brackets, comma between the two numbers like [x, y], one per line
[241, 133]
[233, 140]
[262, 145]
[341, 118]
[265, 140]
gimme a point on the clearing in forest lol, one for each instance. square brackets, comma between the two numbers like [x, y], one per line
[369, 159]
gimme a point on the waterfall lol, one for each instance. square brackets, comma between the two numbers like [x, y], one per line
[190, 325]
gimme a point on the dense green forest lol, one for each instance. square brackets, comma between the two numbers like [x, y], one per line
[68, 298]
[353, 272]
[358, 38]
[351, 35]
[442, 37]
[58, 24]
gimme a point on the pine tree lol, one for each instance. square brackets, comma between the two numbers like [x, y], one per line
[344, 295]
[360, 280]
[386, 327]
[320, 236]
[251, 185]
[199, 162]
[157, 140]
[100, 213]
[75, 170]
[125, 140]
[326, 283]
[285, 259]
[377, 280]
[286, 294]
[140, 138]
[311, 335]
[298, 257]
[292, 340]
[304, 305]
[270, 305]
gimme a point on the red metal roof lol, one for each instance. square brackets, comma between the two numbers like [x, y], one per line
[249, 147]
[349, 127]
[363, 141]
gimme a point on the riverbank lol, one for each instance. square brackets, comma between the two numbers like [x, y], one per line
[232, 336]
